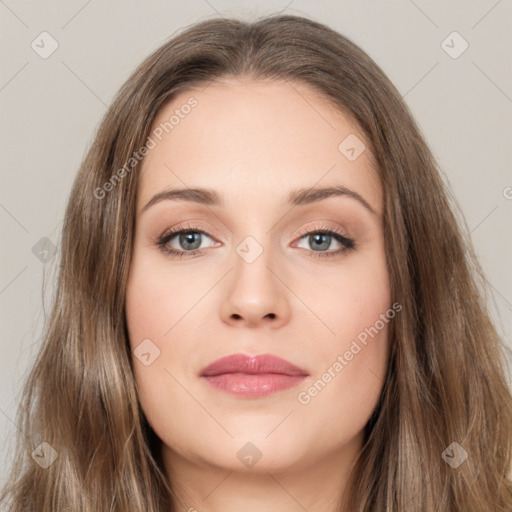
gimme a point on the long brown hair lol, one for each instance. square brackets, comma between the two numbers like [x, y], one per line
[447, 377]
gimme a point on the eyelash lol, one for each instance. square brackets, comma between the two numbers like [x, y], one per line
[166, 237]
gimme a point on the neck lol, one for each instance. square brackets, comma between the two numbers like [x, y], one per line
[316, 485]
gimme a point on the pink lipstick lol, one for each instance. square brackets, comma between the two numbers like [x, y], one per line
[252, 377]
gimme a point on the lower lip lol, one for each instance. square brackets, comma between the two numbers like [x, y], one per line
[254, 385]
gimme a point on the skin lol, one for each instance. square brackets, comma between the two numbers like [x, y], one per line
[254, 141]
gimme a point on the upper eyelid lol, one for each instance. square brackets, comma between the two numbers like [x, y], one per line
[198, 229]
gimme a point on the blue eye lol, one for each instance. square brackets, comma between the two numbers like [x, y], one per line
[320, 240]
[190, 239]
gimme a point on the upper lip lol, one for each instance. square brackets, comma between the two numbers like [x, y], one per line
[242, 363]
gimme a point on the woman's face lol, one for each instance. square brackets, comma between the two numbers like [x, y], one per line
[266, 276]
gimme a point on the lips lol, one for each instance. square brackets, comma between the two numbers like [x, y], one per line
[246, 376]
[241, 363]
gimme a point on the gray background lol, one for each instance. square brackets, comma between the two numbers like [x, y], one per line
[51, 107]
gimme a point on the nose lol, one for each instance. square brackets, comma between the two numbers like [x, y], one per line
[255, 295]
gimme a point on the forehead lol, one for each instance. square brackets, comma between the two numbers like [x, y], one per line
[256, 140]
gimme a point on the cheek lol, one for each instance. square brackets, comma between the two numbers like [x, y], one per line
[347, 298]
[154, 305]
[156, 300]
[351, 365]
[160, 306]
[350, 361]
[341, 398]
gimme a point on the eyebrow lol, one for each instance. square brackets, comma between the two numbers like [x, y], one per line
[300, 197]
